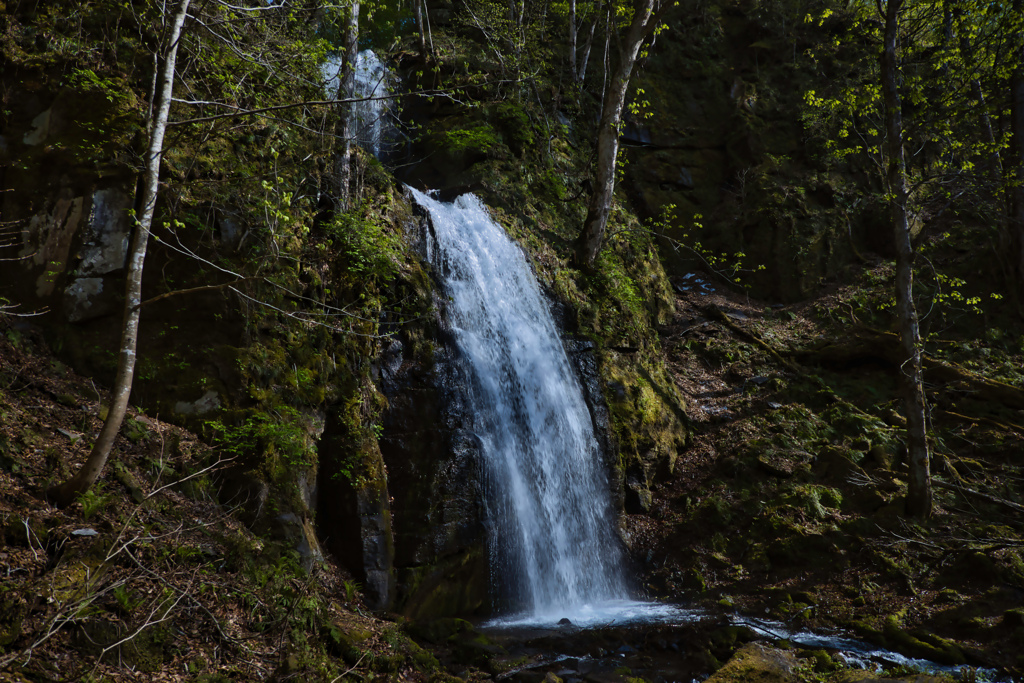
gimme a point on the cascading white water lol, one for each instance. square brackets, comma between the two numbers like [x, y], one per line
[552, 531]
[367, 118]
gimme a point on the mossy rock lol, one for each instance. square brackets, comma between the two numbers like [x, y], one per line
[344, 640]
[726, 639]
[822, 661]
[922, 644]
[473, 647]
[1013, 618]
[758, 663]
[804, 549]
[971, 566]
[861, 676]
[12, 614]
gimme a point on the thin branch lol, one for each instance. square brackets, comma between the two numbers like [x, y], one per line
[978, 494]
[8, 309]
[239, 111]
[300, 318]
[193, 290]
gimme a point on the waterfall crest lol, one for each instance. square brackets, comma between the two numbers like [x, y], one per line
[552, 542]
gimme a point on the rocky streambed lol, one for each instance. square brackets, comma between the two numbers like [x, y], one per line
[674, 644]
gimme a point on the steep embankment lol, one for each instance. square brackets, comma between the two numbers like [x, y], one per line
[798, 444]
[149, 577]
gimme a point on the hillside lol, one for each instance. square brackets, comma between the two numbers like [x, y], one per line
[299, 490]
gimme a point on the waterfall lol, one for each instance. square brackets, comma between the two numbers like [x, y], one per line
[552, 541]
[369, 118]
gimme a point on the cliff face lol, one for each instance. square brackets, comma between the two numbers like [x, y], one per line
[718, 152]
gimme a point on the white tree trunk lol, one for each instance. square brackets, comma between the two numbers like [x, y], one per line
[588, 244]
[66, 493]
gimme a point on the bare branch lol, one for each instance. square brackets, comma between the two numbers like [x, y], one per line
[193, 290]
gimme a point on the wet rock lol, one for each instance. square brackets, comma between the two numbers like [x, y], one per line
[434, 472]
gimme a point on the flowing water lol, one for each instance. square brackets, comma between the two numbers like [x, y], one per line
[369, 118]
[554, 551]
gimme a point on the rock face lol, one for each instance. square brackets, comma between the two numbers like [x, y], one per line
[434, 473]
[354, 512]
[726, 148]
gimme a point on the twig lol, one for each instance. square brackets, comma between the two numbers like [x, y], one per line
[28, 537]
[978, 494]
[350, 669]
[146, 624]
[193, 290]
[209, 468]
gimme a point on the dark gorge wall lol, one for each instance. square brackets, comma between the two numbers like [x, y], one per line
[718, 139]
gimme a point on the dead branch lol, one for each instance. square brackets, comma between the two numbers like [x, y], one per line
[193, 290]
[980, 495]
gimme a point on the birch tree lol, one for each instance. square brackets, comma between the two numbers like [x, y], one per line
[644, 16]
[64, 494]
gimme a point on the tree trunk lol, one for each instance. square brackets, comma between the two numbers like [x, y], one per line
[582, 72]
[66, 493]
[588, 244]
[919, 493]
[346, 91]
[572, 41]
[418, 7]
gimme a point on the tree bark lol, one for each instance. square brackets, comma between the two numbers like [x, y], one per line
[646, 14]
[919, 491]
[66, 493]
[346, 91]
[418, 7]
[572, 41]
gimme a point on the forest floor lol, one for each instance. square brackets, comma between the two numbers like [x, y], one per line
[148, 577]
[797, 443]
